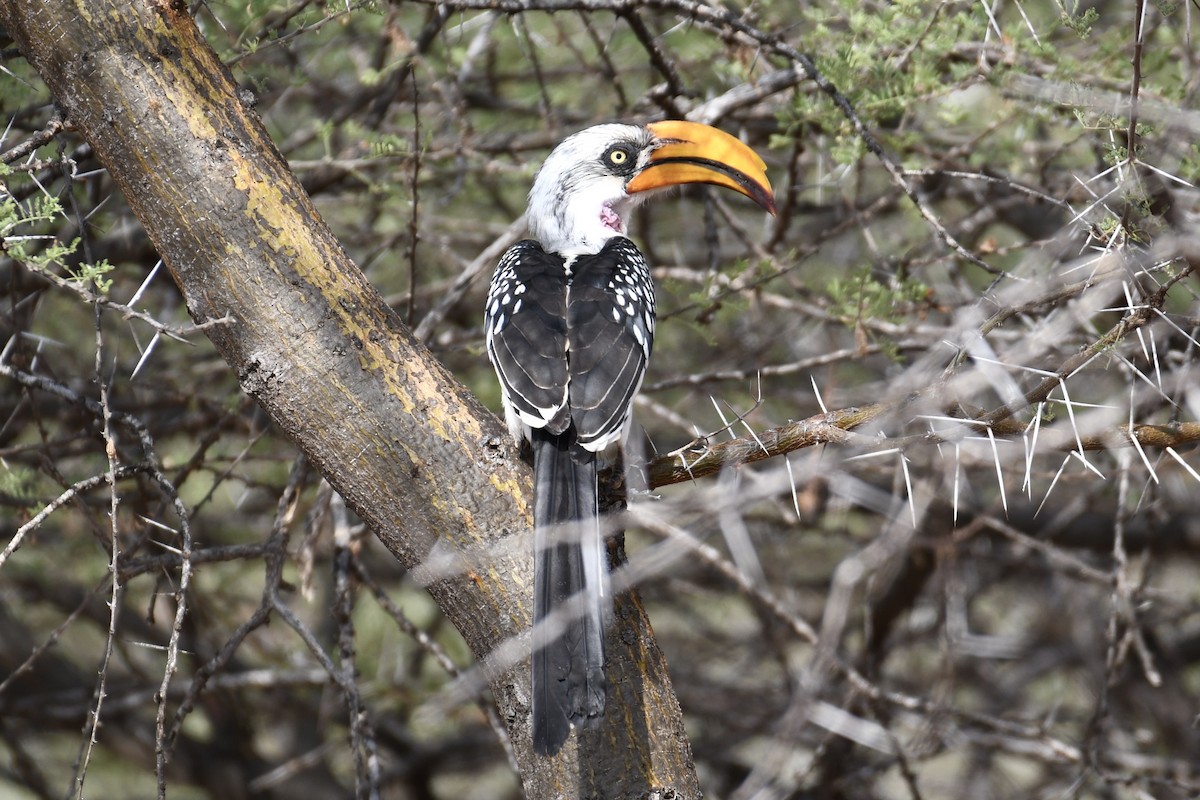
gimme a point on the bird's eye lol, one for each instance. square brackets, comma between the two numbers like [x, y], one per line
[619, 157]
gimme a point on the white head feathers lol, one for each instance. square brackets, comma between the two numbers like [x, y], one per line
[578, 200]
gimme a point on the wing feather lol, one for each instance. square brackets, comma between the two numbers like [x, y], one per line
[527, 334]
[610, 330]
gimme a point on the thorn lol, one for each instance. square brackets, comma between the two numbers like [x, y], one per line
[754, 436]
[792, 482]
[1184, 464]
[1166, 175]
[999, 470]
[1170, 322]
[817, 392]
[938, 444]
[1052, 485]
[912, 506]
[1138, 445]
[876, 454]
[1089, 465]
[1157, 366]
[1031, 448]
[1062, 384]
[156, 524]
[145, 284]
[145, 354]
[726, 425]
[687, 466]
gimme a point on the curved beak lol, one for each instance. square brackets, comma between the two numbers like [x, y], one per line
[689, 152]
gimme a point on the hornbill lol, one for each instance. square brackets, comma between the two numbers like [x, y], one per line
[569, 325]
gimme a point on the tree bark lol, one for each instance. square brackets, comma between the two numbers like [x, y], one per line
[412, 452]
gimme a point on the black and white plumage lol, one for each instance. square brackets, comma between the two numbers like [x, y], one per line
[570, 328]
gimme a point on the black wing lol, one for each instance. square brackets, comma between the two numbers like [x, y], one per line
[526, 323]
[610, 330]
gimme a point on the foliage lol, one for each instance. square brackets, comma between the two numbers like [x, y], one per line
[18, 226]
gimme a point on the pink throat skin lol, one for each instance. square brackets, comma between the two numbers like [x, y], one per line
[611, 219]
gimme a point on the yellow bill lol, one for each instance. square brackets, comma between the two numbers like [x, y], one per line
[695, 153]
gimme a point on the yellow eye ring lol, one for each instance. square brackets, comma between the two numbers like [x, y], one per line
[618, 157]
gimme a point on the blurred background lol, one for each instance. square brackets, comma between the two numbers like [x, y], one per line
[988, 588]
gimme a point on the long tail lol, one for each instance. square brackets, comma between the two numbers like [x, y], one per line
[571, 602]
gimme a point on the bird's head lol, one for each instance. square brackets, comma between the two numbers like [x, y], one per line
[589, 184]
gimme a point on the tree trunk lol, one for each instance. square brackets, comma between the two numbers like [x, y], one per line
[412, 452]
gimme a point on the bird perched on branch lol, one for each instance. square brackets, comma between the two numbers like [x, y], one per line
[570, 327]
